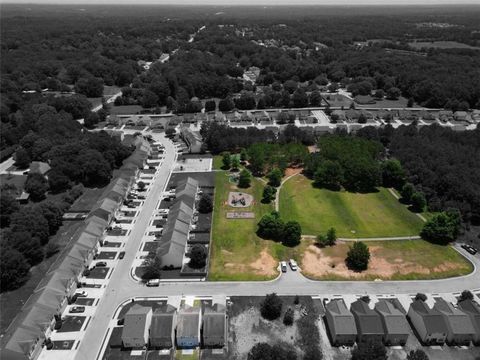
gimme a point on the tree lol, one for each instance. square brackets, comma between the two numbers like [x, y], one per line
[370, 350]
[14, 269]
[466, 295]
[8, 205]
[210, 105]
[57, 181]
[290, 86]
[292, 233]
[393, 93]
[91, 120]
[226, 161]
[358, 257]
[264, 351]
[418, 201]
[288, 317]
[141, 186]
[407, 192]
[205, 205]
[244, 179]
[22, 158]
[53, 212]
[270, 226]
[28, 245]
[315, 98]
[329, 174]
[362, 119]
[331, 236]
[198, 256]
[417, 354]
[268, 194]
[90, 87]
[235, 163]
[275, 177]
[271, 307]
[300, 98]
[410, 102]
[36, 185]
[243, 155]
[170, 132]
[441, 228]
[393, 174]
[31, 221]
[153, 268]
[149, 99]
[421, 297]
[226, 105]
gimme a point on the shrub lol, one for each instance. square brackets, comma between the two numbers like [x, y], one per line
[358, 257]
[288, 317]
[421, 297]
[226, 161]
[418, 354]
[370, 350]
[271, 307]
[198, 256]
[205, 205]
[466, 295]
[244, 179]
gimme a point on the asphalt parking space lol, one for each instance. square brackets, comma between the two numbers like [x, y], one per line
[106, 255]
[72, 323]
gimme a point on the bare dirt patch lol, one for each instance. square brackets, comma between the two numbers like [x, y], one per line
[292, 171]
[265, 264]
[318, 263]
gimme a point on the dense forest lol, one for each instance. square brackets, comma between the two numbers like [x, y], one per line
[441, 163]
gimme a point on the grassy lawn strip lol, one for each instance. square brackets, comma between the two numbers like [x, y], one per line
[180, 356]
[390, 260]
[237, 252]
[353, 215]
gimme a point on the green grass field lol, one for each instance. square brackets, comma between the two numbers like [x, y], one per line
[237, 252]
[390, 260]
[353, 215]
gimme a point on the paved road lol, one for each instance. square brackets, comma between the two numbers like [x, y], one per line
[117, 288]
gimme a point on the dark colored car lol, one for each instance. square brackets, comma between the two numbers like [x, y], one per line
[470, 249]
[121, 255]
[101, 264]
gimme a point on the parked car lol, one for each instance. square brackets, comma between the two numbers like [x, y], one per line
[470, 249]
[76, 309]
[283, 266]
[293, 265]
[141, 197]
[121, 255]
[153, 282]
[101, 264]
[82, 293]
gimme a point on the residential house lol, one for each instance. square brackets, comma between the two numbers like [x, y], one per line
[188, 327]
[472, 309]
[428, 323]
[38, 167]
[340, 323]
[193, 139]
[136, 327]
[459, 324]
[395, 325]
[368, 321]
[214, 330]
[162, 334]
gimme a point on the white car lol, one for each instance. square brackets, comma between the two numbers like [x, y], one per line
[283, 266]
[293, 265]
[82, 293]
[153, 282]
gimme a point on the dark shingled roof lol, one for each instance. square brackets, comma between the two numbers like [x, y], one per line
[459, 321]
[214, 319]
[369, 321]
[188, 321]
[433, 319]
[344, 321]
[162, 322]
[394, 320]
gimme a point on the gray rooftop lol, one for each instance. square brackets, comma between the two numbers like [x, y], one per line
[162, 322]
[344, 321]
[188, 322]
[369, 321]
[432, 318]
[460, 322]
[214, 319]
[394, 320]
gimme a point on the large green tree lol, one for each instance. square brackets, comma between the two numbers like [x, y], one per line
[358, 256]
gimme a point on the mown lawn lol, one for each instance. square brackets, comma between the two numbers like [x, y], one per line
[353, 215]
[390, 260]
[235, 246]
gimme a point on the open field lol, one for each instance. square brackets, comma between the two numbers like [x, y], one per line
[390, 260]
[237, 252]
[441, 45]
[353, 215]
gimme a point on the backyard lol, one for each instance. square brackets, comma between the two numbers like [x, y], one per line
[389, 260]
[353, 215]
[237, 252]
